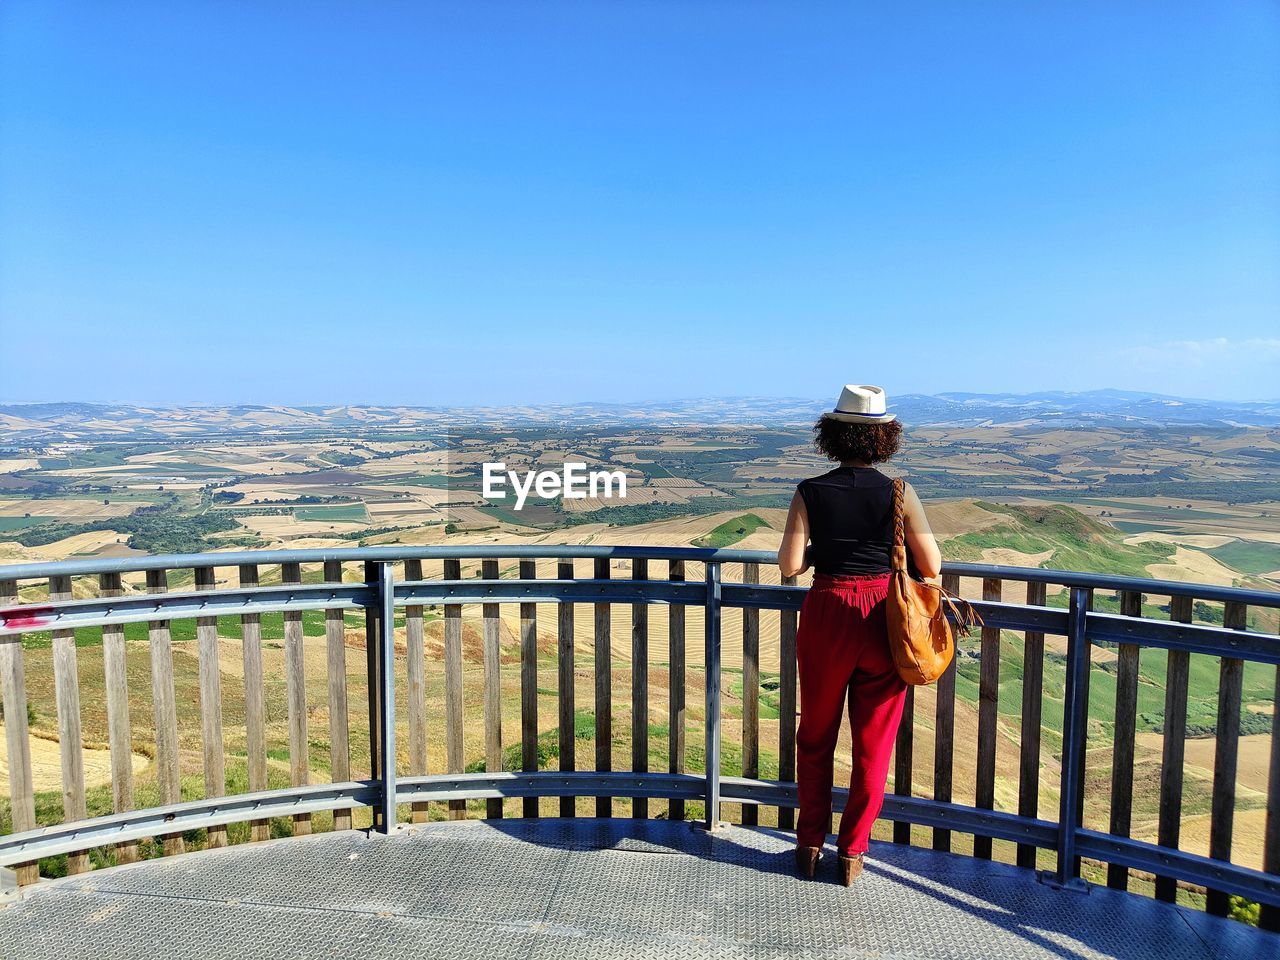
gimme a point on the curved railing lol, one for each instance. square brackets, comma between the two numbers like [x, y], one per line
[1102, 624]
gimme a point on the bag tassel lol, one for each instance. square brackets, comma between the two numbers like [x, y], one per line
[962, 613]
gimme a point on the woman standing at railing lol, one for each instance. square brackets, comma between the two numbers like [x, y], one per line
[842, 644]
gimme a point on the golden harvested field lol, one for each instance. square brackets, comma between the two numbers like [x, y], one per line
[80, 544]
[949, 518]
[406, 512]
[681, 483]
[73, 510]
[636, 496]
[1251, 785]
[1192, 566]
[287, 527]
[46, 765]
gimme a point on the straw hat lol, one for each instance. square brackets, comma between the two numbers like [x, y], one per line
[860, 403]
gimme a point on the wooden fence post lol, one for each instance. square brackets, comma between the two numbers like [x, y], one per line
[119, 730]
[13, 695]
[215, 773]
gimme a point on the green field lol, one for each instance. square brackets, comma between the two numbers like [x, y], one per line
[18, 523]
[731, 532]
[434, 480]
[534, 513]
[1172, 512]
[345, 513]
[1249, 557]
[1137, 526]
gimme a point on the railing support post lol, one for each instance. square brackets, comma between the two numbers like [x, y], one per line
[373, 669]
[1074, 731]
[711, 818]
[386, 821]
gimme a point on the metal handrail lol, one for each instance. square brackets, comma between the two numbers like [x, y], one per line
[379, 595]
[396, 553]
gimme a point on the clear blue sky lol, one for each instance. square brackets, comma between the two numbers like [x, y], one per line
[505, 203]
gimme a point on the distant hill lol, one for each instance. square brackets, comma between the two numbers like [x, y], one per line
[1112, 408]
[1108, 407]
[1064, 537]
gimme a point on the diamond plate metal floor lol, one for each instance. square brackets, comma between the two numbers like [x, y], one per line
[589, 888]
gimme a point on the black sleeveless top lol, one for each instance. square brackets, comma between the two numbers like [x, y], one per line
[850, 520]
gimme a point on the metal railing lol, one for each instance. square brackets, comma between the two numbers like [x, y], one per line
[66, 597]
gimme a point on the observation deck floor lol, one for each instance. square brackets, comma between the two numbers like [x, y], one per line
[590, 888]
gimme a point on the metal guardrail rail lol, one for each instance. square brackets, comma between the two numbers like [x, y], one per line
[392, 582]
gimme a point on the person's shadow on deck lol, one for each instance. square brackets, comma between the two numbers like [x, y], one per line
[1111, 923]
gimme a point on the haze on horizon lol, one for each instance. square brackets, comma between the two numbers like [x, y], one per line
[453, 204]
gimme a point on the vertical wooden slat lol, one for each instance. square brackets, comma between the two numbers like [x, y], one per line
[492, 689]
[215, 774]
[255, 702]
[787, 677]
[1270, 916]
[416, 688]
[1226, 756]
[676, 714]
[335, 635]
[988, 700]
[529, 685]
[604, 690]
[296, 694]
[564, 646]
[453, 687]
[640, 688]
[13, 695]
[1029, 739]
[750, 693]
[66, 682]
[902, 761]
[165, 709]
[119, 731]
[1126, 726]
[944, 731]
[1175, 734]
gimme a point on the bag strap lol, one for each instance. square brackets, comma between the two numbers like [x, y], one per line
[899, 551]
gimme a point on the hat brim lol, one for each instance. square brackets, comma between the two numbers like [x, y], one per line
[859, 417]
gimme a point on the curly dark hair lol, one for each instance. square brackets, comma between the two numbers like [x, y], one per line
[868, 442]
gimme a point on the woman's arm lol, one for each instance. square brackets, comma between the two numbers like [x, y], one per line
[919, 538]
[791, 560]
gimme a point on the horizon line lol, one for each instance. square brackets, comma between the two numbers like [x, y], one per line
[944, 394]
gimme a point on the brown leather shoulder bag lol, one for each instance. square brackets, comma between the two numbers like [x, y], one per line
[921, 637]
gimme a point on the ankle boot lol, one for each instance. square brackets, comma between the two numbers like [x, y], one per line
[807, 860]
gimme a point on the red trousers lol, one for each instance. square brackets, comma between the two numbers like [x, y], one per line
[842, 645]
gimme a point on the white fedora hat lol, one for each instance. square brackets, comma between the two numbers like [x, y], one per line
[860, 403]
